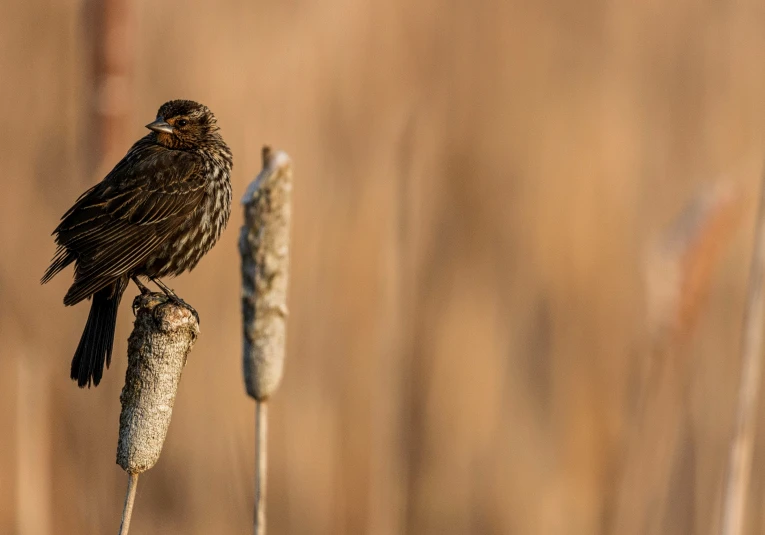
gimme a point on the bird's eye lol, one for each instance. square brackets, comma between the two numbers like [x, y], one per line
[181, 123]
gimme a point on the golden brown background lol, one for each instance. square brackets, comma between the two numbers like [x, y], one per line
[475, 186]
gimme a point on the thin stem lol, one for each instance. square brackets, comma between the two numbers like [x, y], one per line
[742, 443]
[261, 457]
[127, 512]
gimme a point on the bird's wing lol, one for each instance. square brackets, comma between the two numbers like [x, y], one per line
[116, 225]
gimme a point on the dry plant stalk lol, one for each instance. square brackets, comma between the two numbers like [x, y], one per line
[261, 440]
[127, 510]
[679, 269]
[742, 443]
[264, 247]
[163, 335]
[113, 49]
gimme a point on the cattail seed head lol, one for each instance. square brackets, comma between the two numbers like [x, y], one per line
[264, 246]
[162, 337]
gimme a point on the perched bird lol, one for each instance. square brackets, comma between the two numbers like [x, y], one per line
[161, 208]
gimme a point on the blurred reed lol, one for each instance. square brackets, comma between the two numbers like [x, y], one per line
[739, 467]
[679, 268]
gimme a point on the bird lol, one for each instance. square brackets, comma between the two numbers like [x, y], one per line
[154, 215]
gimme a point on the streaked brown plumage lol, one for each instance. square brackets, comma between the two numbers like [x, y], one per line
[161, 208]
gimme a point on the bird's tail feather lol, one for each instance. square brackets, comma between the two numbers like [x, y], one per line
[95, 347]
[62, 258]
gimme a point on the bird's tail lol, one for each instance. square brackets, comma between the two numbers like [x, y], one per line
[95, 346]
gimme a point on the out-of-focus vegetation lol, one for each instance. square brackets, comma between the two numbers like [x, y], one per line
[476, 187]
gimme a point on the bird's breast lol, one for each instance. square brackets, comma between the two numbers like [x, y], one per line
[201, 230]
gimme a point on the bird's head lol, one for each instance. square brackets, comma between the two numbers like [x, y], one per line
[184, 124]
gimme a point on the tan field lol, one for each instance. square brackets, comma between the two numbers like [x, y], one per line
[479, 339]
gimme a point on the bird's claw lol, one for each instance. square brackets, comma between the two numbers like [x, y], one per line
[180, 302]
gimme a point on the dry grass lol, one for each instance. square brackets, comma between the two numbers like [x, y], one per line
[477, 183]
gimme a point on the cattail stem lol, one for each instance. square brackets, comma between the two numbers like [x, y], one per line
[163, 334]
[261, 463]
[742, 443]
[127, 511]
[264, 247]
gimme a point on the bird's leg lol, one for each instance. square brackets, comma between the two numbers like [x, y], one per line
[144, 290]
[168, 291]
[173, 297]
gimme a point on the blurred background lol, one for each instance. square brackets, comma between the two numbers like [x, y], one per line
[521, 242]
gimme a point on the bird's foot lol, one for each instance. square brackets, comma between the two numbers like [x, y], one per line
[164, 287]
[172, 296]
[180, 302]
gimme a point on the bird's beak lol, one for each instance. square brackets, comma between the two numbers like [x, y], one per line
[159, 125]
